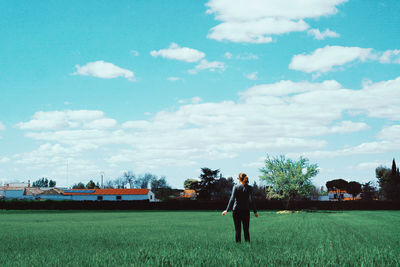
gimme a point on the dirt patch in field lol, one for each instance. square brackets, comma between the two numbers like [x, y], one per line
[287, 211]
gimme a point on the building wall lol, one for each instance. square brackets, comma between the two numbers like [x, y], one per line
[107, 197]
[54, 197]
[18, 194]
[345, 196]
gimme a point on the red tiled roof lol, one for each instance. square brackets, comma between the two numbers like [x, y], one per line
[112, 192]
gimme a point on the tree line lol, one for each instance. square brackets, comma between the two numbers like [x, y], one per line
[285, 179]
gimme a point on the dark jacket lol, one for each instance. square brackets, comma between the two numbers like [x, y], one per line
[242, 199]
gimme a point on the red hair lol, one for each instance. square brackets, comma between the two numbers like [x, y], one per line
[243, 178]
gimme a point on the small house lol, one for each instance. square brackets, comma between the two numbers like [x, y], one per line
[342, 195]
[108, 194]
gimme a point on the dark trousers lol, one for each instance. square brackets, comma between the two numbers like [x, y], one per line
[240, 217]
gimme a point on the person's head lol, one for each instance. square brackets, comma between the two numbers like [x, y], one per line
[243, 179]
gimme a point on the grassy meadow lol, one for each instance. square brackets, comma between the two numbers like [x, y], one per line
[198, 238]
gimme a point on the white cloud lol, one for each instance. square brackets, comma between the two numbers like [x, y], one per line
[2, 127]
[255, 31]
[252, 76]
[284, 117]
[349, 126]
[4, 160]
[390, 133]
[101, 124]
[228, 55]
[105, 70]
[208, 65]
[243, 56]
[322, 35]
[368, 165]
[173, 79]
[325, 59]
[174, 51]
[193, 100]
[134, 53]
[247, 56]
[390, 56]
[57, 120]
[254, 21]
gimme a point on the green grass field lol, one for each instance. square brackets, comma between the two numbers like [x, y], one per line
[198, 238]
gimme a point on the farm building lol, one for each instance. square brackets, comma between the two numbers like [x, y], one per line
[109, 194]
[13, 190]
[24, 191]
[188, 194]
[342, 195]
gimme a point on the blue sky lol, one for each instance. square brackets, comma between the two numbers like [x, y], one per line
[169, 87]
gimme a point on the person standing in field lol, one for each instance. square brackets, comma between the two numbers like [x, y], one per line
[242, 199]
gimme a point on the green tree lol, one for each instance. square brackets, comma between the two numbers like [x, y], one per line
[190, 183]
[260, 192]
[160, 188]
[337, 185]
[129, 178]
[354, 188]
[43, 182]
[206, 187]
[90, 185]
[52, 183]
[144, 180]
[288, 179]
[389, 181]
[79, 185]
[223, 188]
[369, 192]
[109, 184]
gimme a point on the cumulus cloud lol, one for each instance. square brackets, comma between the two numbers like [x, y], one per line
[208, 65]
[242, 56]
[174, 51]
[104, 70]
[368, 165]
[4, 160]
[322, 35]
[254, 21]
[134, 53]
[228, 55]
[284, 117]
[390, 56]
[57, 120]
[173, 79]
[252, 76]
[325, 59]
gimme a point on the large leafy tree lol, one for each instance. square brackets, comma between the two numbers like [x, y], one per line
[223, 188]
[389, 181]
[354, 188]
[206, 187]
[160, 188]
[79, 185]
[91, 185]
[337, 185]
[190, 183]
[288, 179]
[44, 182]
[369, 191]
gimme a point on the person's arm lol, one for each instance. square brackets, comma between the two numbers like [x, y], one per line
[232, 199]
[253, 204]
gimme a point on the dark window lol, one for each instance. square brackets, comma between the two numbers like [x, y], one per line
[118, 197]
[99, 197]
[151, 197]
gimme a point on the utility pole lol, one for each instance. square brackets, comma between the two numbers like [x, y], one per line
[102, 176]
[67, 173]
